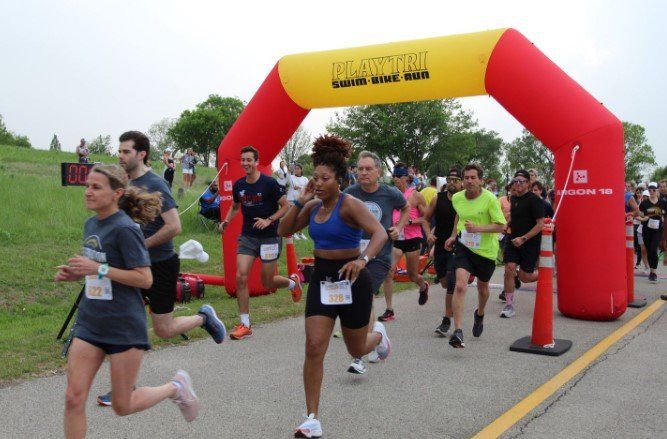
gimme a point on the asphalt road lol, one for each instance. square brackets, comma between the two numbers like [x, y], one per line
[426, 389]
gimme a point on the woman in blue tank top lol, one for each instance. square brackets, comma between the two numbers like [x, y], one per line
[335, 223]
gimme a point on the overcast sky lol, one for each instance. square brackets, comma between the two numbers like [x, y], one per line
[84, 68]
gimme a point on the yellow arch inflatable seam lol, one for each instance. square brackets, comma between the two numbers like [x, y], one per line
[431, 68]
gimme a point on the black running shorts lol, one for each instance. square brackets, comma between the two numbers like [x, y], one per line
[473, 263]
[525, 256]
[353, 316]
[408, 245]
[162, 294]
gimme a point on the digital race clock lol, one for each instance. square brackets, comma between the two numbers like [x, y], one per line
[74, 174]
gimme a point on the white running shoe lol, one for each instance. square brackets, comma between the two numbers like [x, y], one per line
[357, 366]
[373, 357]
[185, 397]
[507, 312]
[310, 428]
[303, 236]
[383, 349]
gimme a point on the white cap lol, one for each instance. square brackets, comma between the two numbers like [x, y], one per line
[192, 249]
[646, 194]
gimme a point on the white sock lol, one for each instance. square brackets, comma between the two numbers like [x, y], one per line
[245, 319]
[292, 284]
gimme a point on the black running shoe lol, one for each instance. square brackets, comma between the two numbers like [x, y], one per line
[456, 340]
[478, 326]
[517, 282]
[502, 297]
[388, 316]
[652, 277]
[423, 294]
[443, 329]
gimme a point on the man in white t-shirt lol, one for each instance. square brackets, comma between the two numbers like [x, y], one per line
[296, 183]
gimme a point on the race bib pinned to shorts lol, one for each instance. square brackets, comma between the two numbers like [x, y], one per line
[98, 289]
[471, 240]
[269, 252]
[336, 293]
[363, 244]
[654, 224]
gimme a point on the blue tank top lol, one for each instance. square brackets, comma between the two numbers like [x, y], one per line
[333, 234]
[627, 197]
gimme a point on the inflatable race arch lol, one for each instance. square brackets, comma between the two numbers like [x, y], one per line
[501, 63]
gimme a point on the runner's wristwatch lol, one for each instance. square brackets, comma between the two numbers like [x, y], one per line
[102, 270]
[364, 258]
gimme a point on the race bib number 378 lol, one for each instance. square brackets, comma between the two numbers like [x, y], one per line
[336, 293]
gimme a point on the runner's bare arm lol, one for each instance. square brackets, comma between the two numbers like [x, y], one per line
[230, 215]
[430, 209]
[419, 201]
[171, 228]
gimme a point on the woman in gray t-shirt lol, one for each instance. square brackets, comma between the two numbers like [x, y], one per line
[112, 320]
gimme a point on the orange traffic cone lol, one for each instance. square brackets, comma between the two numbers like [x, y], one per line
[640, 302]
[542, 341]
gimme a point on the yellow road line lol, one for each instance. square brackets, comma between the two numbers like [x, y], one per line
[516, 413]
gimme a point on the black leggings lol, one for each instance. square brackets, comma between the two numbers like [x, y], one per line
[651, 241]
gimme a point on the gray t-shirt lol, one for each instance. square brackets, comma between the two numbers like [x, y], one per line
[117, 241]
[382, 204]
[189, 161]
[153, 183]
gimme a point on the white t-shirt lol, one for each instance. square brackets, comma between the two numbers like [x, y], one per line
[296, 186]
[281, 177]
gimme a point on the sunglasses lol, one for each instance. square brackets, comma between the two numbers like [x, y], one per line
[652, 189]
[453, 179]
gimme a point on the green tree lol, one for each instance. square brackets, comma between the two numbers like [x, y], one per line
[100, 145]
[203, 128]
[527, 152]
[9, 138]
[659, 174]
[639, 155]
[306, 162]
[411, 132]
[298, 145]
[55, 144]
[158, 133]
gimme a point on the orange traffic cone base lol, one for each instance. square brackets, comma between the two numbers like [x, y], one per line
[525, 345]
[639, 302]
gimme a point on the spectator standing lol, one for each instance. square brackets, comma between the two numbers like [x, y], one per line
[82, 151]
[169, 166]
[653, 211]
[296, 183]
[188, 163]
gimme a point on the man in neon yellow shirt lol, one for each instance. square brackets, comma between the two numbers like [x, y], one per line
[430, 191]
[479, 219]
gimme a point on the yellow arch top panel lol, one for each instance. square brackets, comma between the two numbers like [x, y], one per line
[431, 68]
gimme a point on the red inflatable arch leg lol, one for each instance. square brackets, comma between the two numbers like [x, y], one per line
[559, 112]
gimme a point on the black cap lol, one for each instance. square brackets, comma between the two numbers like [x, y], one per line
[454, 172]
[523, 173]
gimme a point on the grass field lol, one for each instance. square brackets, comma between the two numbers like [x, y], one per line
[41, 226]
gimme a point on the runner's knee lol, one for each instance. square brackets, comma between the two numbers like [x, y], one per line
[315, 350]
[75, 400]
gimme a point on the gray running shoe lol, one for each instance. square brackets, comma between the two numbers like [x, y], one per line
[507, 312]
[443, 329]
[185, 397]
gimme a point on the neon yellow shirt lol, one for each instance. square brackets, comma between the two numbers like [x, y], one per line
[429, 193]
[483, 210]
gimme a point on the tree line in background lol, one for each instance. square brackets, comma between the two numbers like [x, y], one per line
[10, 138]
[430, 135]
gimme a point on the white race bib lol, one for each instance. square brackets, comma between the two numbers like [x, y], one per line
[363, 244]
[336, 293]
[471, 240]
[268, 252]
[654, 224]
[98, 289]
